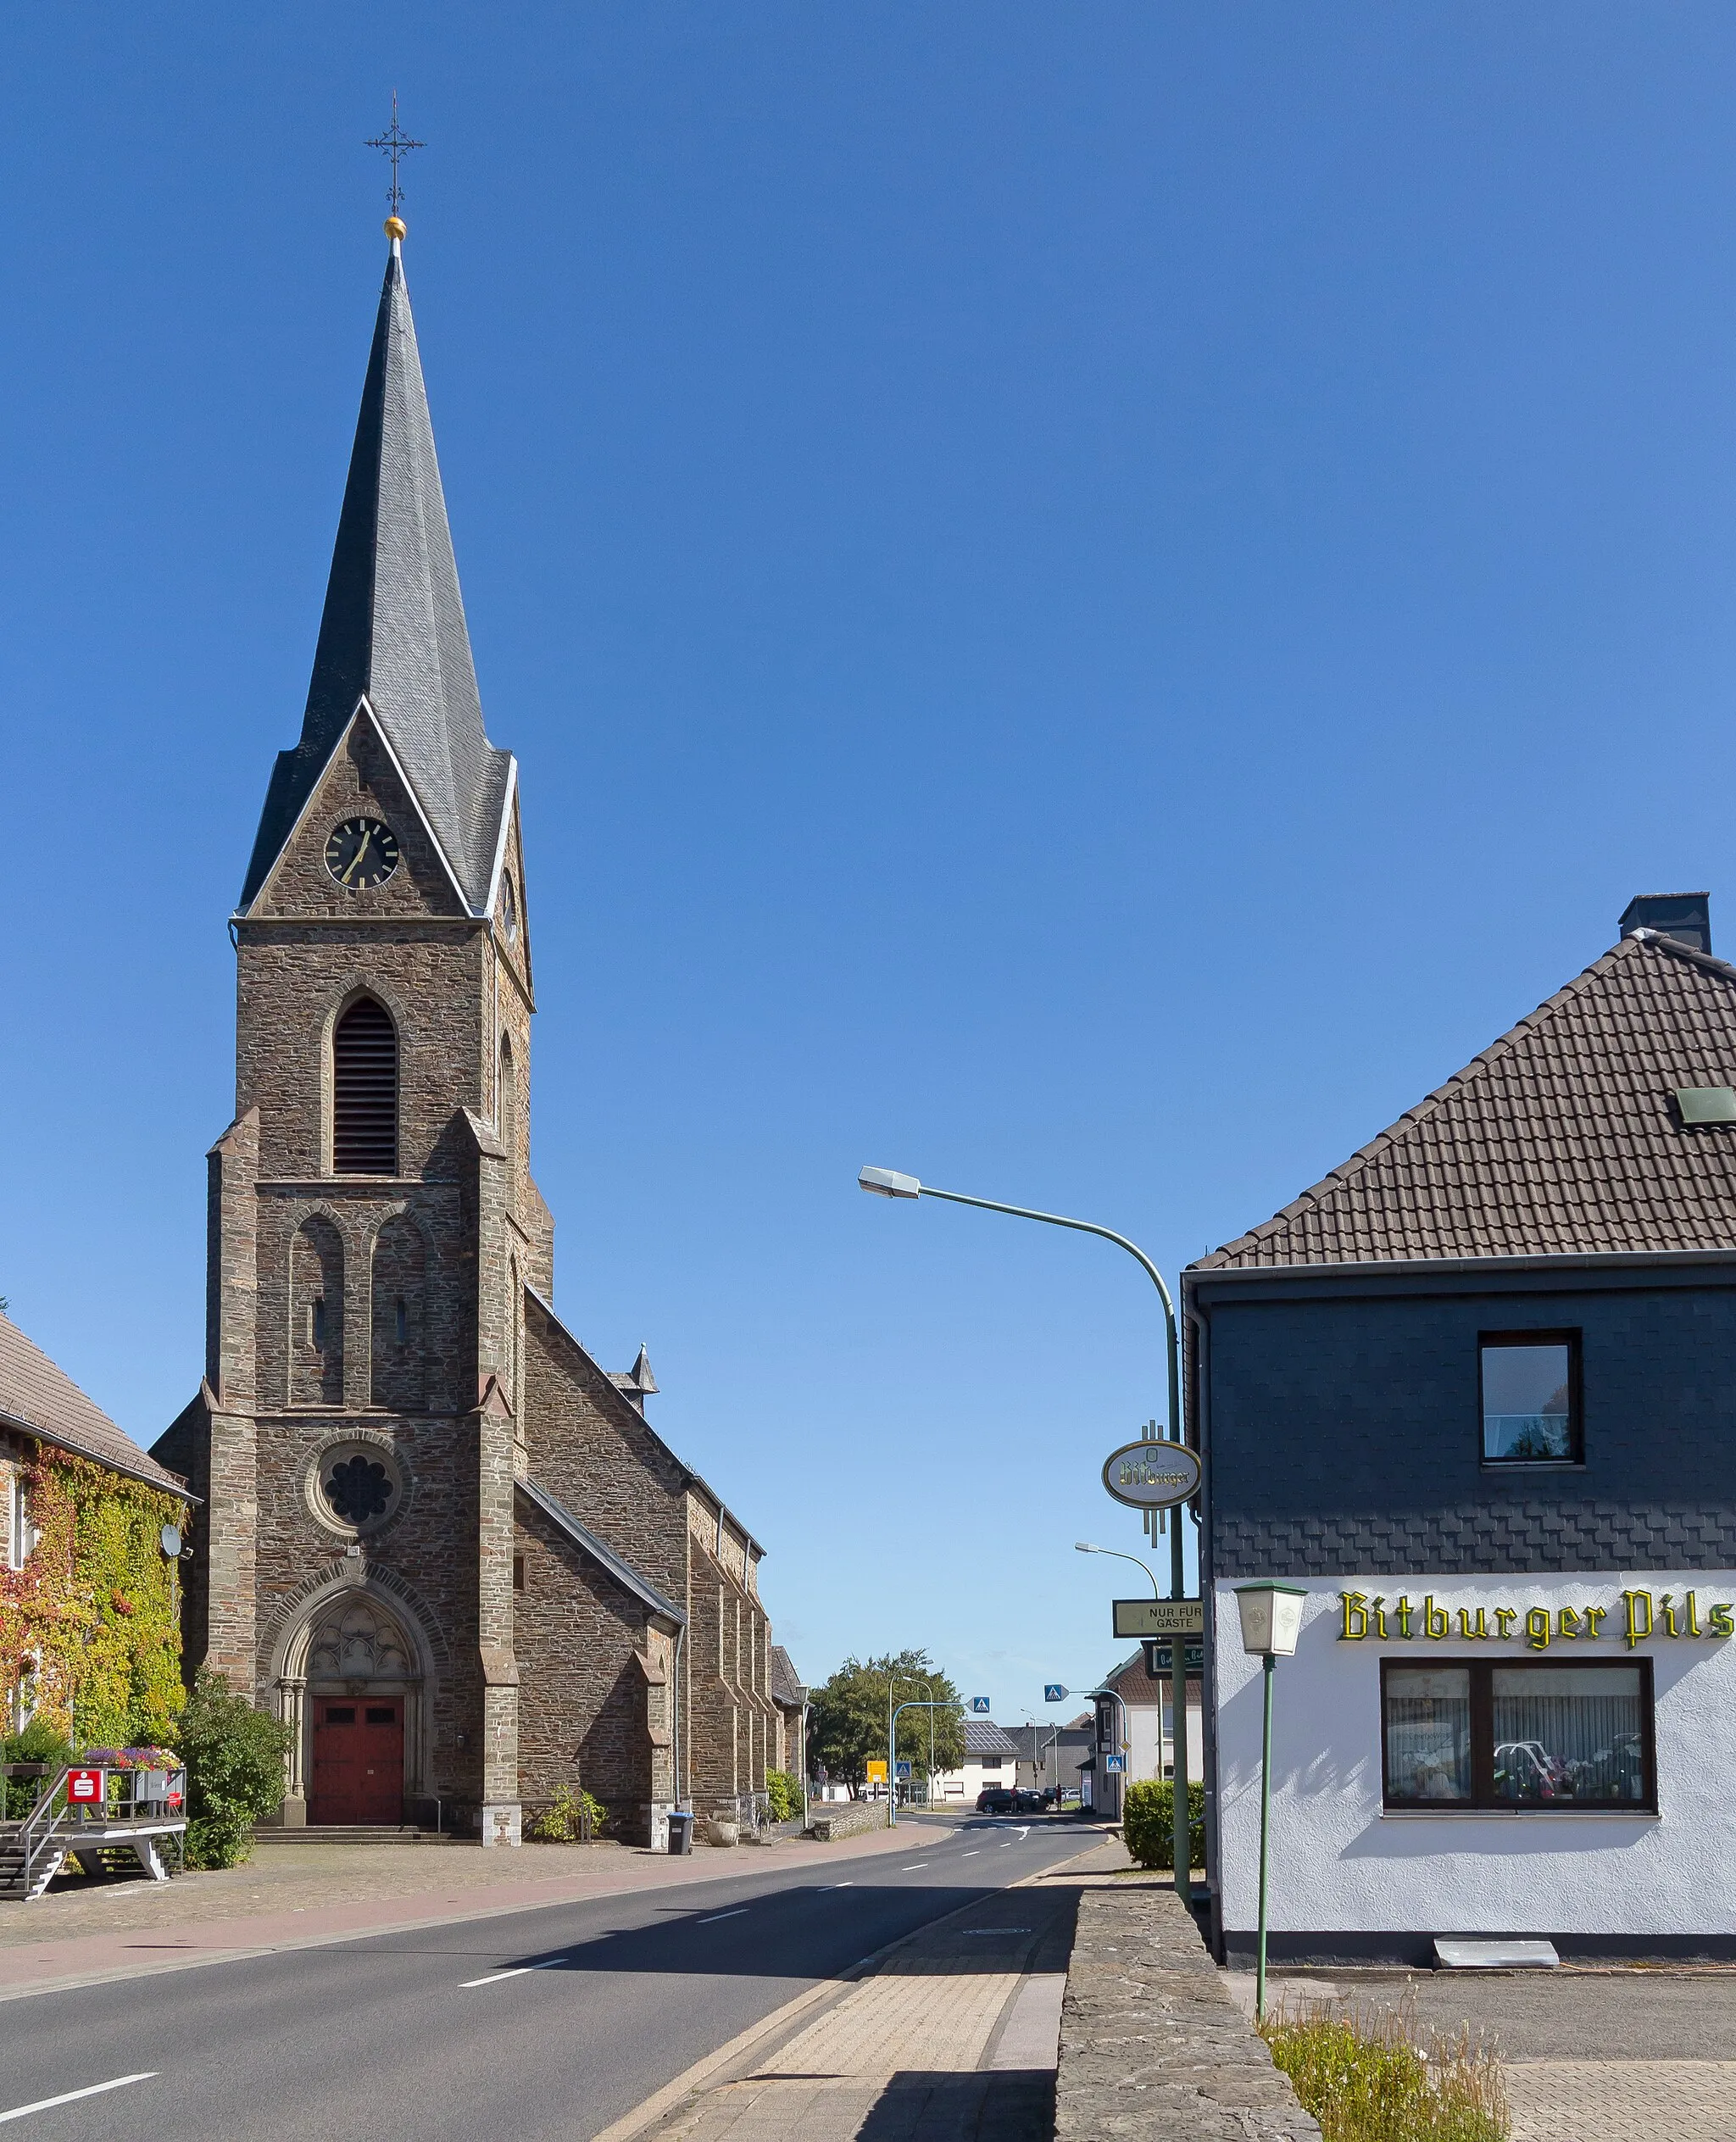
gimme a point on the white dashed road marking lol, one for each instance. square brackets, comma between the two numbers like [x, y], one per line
[518, 1970]
[71, 2097]
[716, 1916]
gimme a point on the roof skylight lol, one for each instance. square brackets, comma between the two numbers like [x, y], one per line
[1706, 1104]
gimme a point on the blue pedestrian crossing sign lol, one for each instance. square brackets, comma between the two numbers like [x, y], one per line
[980, 1705]
[904, 1770]
[1114, 1763]
[1053, 1692]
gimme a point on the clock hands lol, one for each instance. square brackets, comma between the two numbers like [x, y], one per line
[357, 857]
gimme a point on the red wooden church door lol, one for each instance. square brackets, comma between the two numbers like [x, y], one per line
[358, 1761]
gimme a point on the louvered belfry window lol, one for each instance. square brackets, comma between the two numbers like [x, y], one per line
[364, 1092]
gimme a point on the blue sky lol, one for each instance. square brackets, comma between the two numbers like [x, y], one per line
[1090, 600]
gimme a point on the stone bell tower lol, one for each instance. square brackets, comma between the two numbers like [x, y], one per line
[372, 1220]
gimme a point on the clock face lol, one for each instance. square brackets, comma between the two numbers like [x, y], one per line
[361, 851]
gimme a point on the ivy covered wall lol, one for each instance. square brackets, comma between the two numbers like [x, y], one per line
[90, 1625]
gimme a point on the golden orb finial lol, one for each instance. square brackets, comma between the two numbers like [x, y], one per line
[396, 227]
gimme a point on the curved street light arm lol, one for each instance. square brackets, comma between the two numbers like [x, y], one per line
[1109, 1234]
[910, 1703]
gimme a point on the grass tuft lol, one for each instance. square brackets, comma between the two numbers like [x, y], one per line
[1369, 2075]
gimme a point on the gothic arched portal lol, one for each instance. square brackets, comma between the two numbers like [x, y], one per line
[353, 1694]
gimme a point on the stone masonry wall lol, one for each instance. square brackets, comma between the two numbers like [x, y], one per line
[583, 1687]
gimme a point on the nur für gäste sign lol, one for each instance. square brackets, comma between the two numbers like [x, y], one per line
[1639, 1616]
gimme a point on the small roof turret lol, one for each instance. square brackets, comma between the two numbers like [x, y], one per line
[639, 1384]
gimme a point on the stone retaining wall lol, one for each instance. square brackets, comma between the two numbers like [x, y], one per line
[1151, 2044]
[837, 1818]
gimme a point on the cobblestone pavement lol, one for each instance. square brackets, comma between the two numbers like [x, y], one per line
[952, 2037]
[1591, 2055]
[1613, 2101]
[303, 1877]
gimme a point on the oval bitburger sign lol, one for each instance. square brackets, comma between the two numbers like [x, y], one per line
[1152, 1476]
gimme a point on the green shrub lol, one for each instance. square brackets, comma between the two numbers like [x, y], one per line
[783, 1796]
[1365, 2078]
[1147, 1819]
[41, 1741]
[234, 1757]
[563, 1821]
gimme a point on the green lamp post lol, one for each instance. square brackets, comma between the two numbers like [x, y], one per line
[1271, 1621]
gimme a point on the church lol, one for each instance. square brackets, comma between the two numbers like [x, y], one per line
[435, 1537]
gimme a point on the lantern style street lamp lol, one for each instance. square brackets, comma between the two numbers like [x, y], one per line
[1271, 1621]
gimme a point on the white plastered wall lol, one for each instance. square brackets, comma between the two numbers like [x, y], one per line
[1340, 1864]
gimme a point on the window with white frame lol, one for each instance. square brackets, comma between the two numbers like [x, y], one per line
[21, 1535]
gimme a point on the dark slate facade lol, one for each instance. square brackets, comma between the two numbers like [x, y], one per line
[1339, 1408]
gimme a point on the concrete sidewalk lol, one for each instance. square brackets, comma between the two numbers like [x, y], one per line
[951, 2036]
[313, 1896]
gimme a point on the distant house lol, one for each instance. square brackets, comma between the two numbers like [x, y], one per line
[90, 1640]
[790, 1699]
[991, 1758]
[1050, 1755]
[1141, 1728]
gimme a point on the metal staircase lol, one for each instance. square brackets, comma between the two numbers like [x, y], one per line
[137, 1821]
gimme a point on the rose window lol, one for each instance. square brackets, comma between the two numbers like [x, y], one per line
[358, 1489]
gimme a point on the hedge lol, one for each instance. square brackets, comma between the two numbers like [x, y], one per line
[1148, 1820]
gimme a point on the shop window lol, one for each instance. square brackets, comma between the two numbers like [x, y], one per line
[1542, 1739]
[1530, 1385]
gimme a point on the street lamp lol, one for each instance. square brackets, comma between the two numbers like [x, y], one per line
[887, 1182]
[910, 1703]
[1271, 1621]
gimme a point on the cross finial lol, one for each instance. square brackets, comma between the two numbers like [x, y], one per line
[397, 144]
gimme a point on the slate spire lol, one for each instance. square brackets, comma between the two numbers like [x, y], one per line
[393, 628]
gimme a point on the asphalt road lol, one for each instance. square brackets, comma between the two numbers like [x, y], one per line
[421, 2036]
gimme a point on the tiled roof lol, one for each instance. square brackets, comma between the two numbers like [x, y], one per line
[787, 1689]
[1561, 1137]
[394, 627]
[43, 1399]
[983, 1739]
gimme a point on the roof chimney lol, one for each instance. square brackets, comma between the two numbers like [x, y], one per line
[1685, 916]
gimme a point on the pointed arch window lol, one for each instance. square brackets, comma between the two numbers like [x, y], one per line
[365, 1091]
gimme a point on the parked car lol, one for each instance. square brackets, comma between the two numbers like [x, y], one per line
[1028, 1800]
[994, 1799]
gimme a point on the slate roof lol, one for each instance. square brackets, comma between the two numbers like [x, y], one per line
[1562, 1137]
[983, 1739]
[787, 1689]
[44, 1401]
[393, 628]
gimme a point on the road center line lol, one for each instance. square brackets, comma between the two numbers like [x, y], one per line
[971, 1854]
[71, 2097]
[834, 1885]
[518, 1970]
[716, 1916]
[913, 1866]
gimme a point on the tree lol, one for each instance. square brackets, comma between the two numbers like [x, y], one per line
[846, 1726]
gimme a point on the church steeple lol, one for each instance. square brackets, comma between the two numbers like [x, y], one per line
[393, 630]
